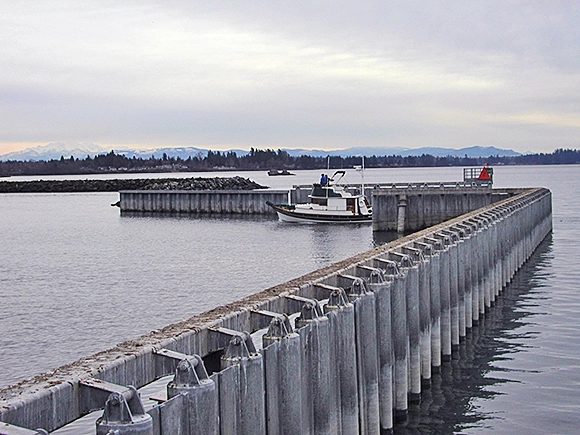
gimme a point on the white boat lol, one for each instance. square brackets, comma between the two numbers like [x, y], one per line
[329, 203]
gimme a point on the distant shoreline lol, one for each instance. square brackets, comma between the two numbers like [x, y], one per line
[264, 160]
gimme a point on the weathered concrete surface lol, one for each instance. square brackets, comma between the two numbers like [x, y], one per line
[413, 209]
[244, 202]
[516, 225]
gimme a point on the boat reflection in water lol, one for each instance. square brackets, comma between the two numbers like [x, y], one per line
[330, 202]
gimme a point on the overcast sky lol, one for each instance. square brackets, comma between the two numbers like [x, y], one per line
[292, 74]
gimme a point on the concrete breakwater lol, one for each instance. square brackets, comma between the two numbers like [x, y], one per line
[198, 201]
[344, 349]
[406, 209]
[115, 185]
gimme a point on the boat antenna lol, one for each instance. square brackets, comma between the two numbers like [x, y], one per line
[328, 162]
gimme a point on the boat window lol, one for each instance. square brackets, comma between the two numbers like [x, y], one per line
[319, 201]
[318, 191]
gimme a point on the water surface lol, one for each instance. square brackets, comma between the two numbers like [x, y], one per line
[76, 278]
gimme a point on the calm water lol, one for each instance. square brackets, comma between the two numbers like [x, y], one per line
[76, 278]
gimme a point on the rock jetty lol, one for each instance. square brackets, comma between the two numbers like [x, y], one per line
[61, 186]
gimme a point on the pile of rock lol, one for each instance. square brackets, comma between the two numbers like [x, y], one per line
[217, 183]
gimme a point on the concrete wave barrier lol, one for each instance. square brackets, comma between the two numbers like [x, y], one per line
[242, 202]
[343, 350]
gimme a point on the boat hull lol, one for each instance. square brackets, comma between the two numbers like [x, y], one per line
[286, 214]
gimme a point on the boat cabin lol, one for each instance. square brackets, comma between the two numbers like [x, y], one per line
[336, 198]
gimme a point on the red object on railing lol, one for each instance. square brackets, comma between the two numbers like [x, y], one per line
[484, 175]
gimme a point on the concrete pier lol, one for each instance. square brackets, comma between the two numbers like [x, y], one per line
[343, 350]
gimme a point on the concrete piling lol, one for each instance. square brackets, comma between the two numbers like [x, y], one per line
[445, 295]
[380, 285]
[314, 331]
[282, 361]
[366, 347]
[200, 393]
[410, 267]
[400, 343]
[383, 288]
[341, 317]
[476, 273]
[241, 389]
[425, 273]
[465, 280]
[453, 287]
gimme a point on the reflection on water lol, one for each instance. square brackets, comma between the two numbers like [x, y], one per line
[478, 373]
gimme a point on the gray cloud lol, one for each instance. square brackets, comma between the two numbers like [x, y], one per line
[293, 74]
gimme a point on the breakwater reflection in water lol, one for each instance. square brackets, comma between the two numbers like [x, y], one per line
[491, 362]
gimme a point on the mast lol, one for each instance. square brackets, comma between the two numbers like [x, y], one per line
[362, 173]
[361, 168]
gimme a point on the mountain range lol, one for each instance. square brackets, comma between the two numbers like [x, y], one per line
[54, 151]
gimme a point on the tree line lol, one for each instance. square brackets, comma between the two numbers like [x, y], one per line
[263, 160]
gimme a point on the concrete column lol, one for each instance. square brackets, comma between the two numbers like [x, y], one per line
[314, 332]
[495, 224]
[341, 318]
[488, 261]
[453, 287]
[435, 295]
[518, 238]
[410, 261]
[485, 246]
[366, 346]
[505, 246]
[242, 398]
[515, 244]
[282, 368]
[425, 272]
[383, 288]
[469, 277]
[477, 273]
[445, 294]
[385, 353]
[200, 395]
[401, 209]
[464, 277]
[400, 346]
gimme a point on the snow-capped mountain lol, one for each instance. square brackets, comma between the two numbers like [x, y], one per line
[56, 150]
[475, 151]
